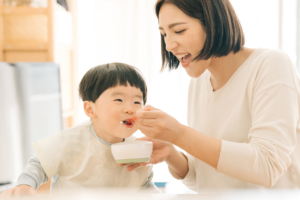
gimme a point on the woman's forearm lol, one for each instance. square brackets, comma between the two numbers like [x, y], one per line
[200, 146]
[197, 144]
[178, 162]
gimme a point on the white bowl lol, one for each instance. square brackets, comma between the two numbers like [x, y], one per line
[132, 152]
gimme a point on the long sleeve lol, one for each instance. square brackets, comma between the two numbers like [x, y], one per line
[272, 139]
[33, 174]
[190, 179]
[273, 133]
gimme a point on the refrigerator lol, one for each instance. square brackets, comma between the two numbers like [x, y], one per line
[30, 109]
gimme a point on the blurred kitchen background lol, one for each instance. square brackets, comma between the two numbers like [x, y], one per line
[46, 46]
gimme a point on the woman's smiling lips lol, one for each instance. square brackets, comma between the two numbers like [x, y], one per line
[180, 55]
[184, 58]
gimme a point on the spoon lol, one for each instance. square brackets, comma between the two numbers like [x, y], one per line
[135, 118]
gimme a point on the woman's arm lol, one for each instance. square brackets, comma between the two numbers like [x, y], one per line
[159, 125]
[177, 162]
[199, 145]
[262, 161]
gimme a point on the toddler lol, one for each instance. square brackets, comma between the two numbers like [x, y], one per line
[80, 157]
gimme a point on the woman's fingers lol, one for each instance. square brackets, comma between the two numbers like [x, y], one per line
[148, 131]
[148, 122]
[149, 107]
[144, 139]
[148, 113]
[152, 114]
[133, 166]
[161, 151]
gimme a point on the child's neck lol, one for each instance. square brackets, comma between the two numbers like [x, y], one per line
[106, 136]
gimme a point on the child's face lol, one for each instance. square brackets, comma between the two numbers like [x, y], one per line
[114, 106]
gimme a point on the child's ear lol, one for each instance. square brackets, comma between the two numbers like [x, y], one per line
[88, 109]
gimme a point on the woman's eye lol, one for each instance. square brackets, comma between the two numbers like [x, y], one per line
[120, 100]
[164, 35]
[180, 31]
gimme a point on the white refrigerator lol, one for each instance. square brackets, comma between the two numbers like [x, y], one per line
[30, 109]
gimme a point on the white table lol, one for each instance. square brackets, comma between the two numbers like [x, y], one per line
[220, 195]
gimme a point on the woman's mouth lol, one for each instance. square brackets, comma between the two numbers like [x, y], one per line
[186, 60]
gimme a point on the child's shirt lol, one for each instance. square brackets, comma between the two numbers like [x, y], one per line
[78, 158]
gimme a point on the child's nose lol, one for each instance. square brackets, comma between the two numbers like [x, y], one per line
[129, 110]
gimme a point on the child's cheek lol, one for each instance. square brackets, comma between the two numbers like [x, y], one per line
[111, 114]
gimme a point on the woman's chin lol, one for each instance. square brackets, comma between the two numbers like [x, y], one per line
[195, 70]
[193, 74]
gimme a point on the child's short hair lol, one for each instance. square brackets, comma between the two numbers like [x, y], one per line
[100, 78]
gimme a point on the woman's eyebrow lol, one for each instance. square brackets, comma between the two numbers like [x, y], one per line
[172, 25]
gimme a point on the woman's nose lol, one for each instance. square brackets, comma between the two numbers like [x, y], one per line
[170, 44]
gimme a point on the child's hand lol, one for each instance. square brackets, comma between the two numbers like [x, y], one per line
[161, 151]
[20, 190]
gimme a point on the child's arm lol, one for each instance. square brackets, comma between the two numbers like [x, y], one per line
[20, 190]
[33, 174]
[149, 186]
[31, 178]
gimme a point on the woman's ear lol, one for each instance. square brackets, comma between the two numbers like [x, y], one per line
[89, 109]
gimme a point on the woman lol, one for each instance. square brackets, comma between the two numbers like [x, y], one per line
[243, 104]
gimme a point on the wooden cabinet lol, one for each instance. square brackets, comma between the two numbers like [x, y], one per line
[40, 34]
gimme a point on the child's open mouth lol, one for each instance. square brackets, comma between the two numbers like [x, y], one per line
[129, 121]
[126, 124]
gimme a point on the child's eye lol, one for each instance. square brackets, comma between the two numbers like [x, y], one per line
[120, 100]
[137, 102]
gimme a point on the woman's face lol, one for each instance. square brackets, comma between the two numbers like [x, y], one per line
[184, 37]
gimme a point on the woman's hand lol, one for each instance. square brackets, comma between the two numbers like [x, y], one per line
[157, 124]
[161, 152]
[20, 190]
